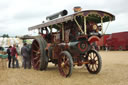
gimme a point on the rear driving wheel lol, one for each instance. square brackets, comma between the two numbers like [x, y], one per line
[65, 64]
[94, 62]
[39, 58]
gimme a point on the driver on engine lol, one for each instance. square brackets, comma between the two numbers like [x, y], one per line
[93, 28]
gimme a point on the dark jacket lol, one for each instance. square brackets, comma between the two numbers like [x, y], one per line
[25, 51]
[9, 51]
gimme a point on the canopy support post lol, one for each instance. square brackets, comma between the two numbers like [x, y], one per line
[102, 25]
[78, 25]
[62, 32]
[85, 27]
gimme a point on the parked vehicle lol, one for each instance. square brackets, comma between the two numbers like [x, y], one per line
[71, 43]
[118, 41]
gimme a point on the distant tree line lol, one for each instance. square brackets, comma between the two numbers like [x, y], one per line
[5, 35]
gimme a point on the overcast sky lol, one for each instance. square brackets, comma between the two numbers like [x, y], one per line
[17, 15]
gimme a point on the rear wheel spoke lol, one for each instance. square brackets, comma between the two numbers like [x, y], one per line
[35, 51]
[35, 44]
[36, 58]
[37, 64]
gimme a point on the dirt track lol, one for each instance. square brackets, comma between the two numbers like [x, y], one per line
[114, 72]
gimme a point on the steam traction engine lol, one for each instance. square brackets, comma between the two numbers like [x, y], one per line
[67, 41]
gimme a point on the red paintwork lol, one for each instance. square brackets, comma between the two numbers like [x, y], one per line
[93, 39]
[115, 41]
[83, 50]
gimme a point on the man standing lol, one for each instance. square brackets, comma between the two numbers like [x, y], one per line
[13, 54]
[9, 56]
[25, 52]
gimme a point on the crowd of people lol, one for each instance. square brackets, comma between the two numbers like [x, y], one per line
[13, 54]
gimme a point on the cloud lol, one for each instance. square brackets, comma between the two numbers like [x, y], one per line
[4, 4]
[17, 15]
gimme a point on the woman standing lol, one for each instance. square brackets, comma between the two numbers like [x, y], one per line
[13, 54]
